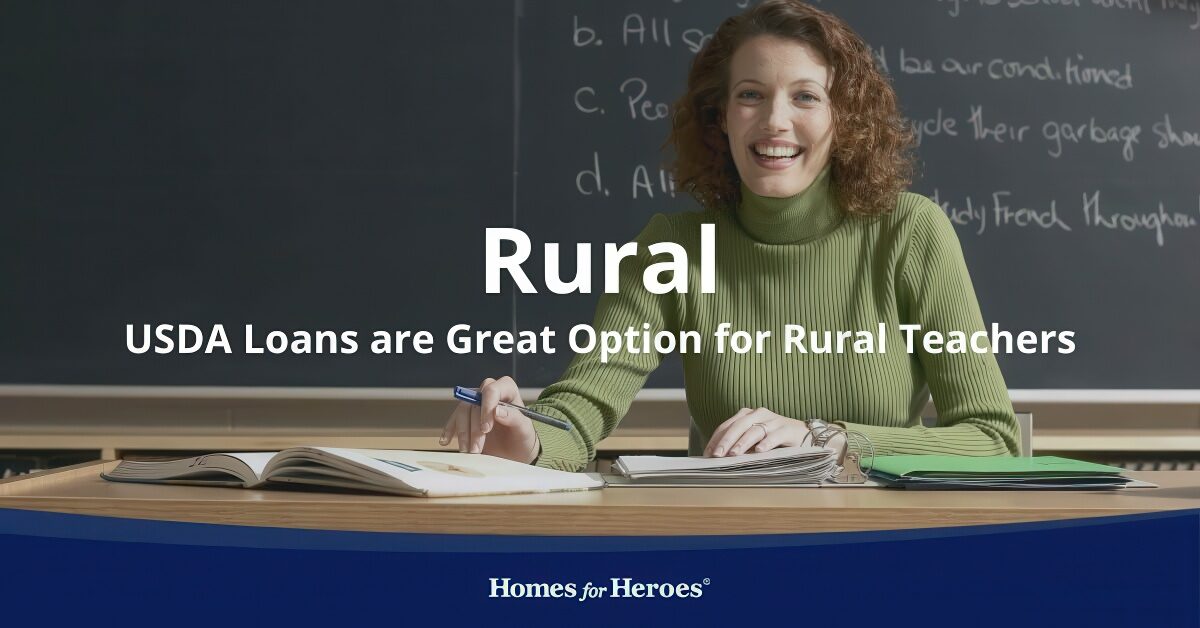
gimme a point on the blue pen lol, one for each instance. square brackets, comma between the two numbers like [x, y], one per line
[471, 396]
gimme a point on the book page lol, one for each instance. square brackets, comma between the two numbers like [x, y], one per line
[220, 469]
[643, 464]
[438, 474]
[256, 460]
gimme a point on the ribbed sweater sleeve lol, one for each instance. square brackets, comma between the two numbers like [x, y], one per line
[593, 395]
[934, 290]
[781, 261]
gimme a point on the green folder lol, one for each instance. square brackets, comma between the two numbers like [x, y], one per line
[976, 472]
[988, 465]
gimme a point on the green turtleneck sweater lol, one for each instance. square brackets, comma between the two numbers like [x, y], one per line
[800, 260]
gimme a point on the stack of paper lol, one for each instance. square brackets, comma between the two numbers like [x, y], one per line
[970, 472]
[786, 465]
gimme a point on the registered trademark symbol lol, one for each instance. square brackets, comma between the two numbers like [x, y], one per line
[706, 581]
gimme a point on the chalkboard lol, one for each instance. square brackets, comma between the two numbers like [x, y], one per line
[290, 165]
[597, 77]
[332, 166]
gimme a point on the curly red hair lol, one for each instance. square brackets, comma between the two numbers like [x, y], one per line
[873, 145]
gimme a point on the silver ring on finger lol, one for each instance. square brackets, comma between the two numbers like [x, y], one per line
[764, 428]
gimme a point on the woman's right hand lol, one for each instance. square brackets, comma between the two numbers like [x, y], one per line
[491, 428]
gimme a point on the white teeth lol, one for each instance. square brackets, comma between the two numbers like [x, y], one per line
[776, 151]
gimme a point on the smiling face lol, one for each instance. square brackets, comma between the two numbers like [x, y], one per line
[777, 115]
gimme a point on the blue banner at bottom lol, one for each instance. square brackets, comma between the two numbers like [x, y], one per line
[1117, 571]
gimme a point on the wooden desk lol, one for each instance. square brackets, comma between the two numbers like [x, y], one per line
[614, 511]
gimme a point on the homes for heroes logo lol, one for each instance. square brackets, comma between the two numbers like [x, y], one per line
[617, 588]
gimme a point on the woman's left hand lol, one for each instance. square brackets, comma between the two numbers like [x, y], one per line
[755, 429]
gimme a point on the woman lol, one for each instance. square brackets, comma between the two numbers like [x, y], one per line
[790, 139]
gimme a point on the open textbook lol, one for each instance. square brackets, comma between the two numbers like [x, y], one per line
[786, 466]
[400, 472]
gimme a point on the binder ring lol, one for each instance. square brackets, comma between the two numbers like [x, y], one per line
[859, 448]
